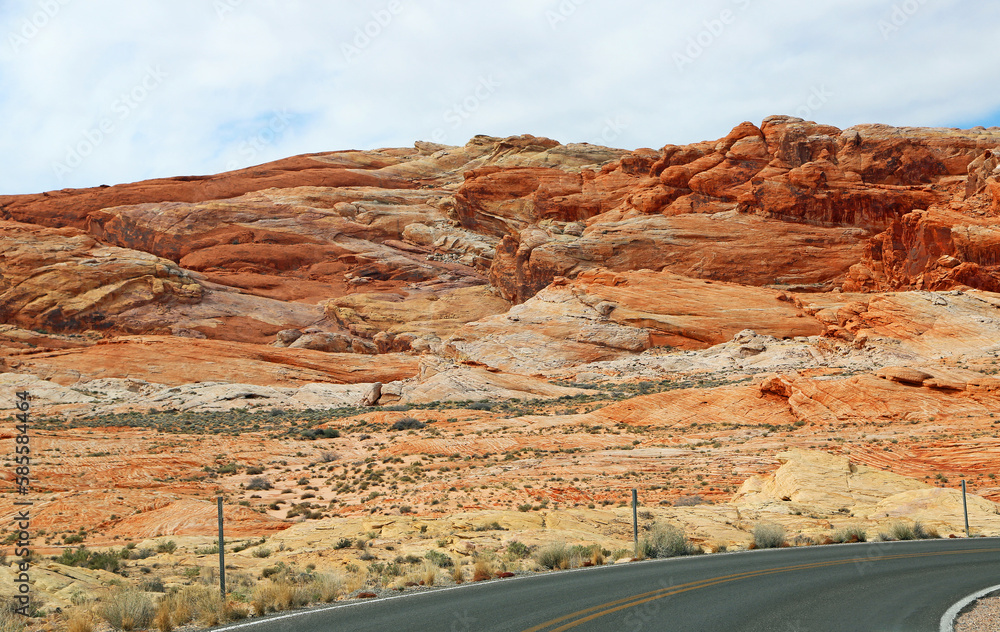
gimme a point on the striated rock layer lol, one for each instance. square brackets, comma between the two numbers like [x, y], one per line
[793, 323]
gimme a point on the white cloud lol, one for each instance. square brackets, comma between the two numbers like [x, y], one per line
[352, 74]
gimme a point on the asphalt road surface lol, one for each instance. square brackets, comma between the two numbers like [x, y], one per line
[878, 587]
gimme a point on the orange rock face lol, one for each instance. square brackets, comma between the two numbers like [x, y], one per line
[71, 207]
[176, 360]
[788, 171]
[583, 318]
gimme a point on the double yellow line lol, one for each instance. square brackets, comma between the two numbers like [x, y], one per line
[589, 614]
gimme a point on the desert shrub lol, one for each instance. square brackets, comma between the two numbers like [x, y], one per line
[140, 554]
[854, 533]
[903, 531]
[320, 433]
[95, 560]
[518, 550]
[438, 558]
[258, 483]
[554, 556]
[408, 423]
[254, 469]
[689, 501]
[126, 609]
[73, 557]
[166, 547]
[261, 552]
[666, 540]
[480, 406]
[767, 535]
[924, 533]
[153, 585]
[343, 543]
[489, 526]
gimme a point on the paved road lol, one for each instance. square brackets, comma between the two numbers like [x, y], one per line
[881, 587]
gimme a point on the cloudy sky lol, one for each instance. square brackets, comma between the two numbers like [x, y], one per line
[106, 91]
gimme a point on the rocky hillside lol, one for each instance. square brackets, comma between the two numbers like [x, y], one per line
[670, 319]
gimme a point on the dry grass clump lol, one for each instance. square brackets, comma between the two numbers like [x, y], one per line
[903, 531]
[854, 533]
[430, 574]
[554, 556]
[78, 619]
[666, 540]
[768, 535]
[482, 569]
[327, 588]
[9, 620]
[202, 604]
[596, 555]
[285, 591]
[457, 575]
[126, 609]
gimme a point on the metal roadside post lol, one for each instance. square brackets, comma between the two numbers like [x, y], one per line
[222, 556]
[965, 510]
[635, 520]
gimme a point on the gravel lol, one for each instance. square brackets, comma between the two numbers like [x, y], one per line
[984, 617]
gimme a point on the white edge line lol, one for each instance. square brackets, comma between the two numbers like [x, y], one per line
[948, 620]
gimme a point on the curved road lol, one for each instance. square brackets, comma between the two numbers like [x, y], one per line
[878, 587]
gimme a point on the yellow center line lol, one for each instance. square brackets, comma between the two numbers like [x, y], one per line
[635, 600]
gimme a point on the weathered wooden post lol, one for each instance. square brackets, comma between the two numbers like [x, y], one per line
[965, 509]
[635, 520]
[222, 556]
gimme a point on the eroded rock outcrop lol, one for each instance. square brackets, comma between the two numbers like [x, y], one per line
[788, 170]
[65, 281]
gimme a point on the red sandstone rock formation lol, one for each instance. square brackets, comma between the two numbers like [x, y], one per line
[393, 250]
[788, 170]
